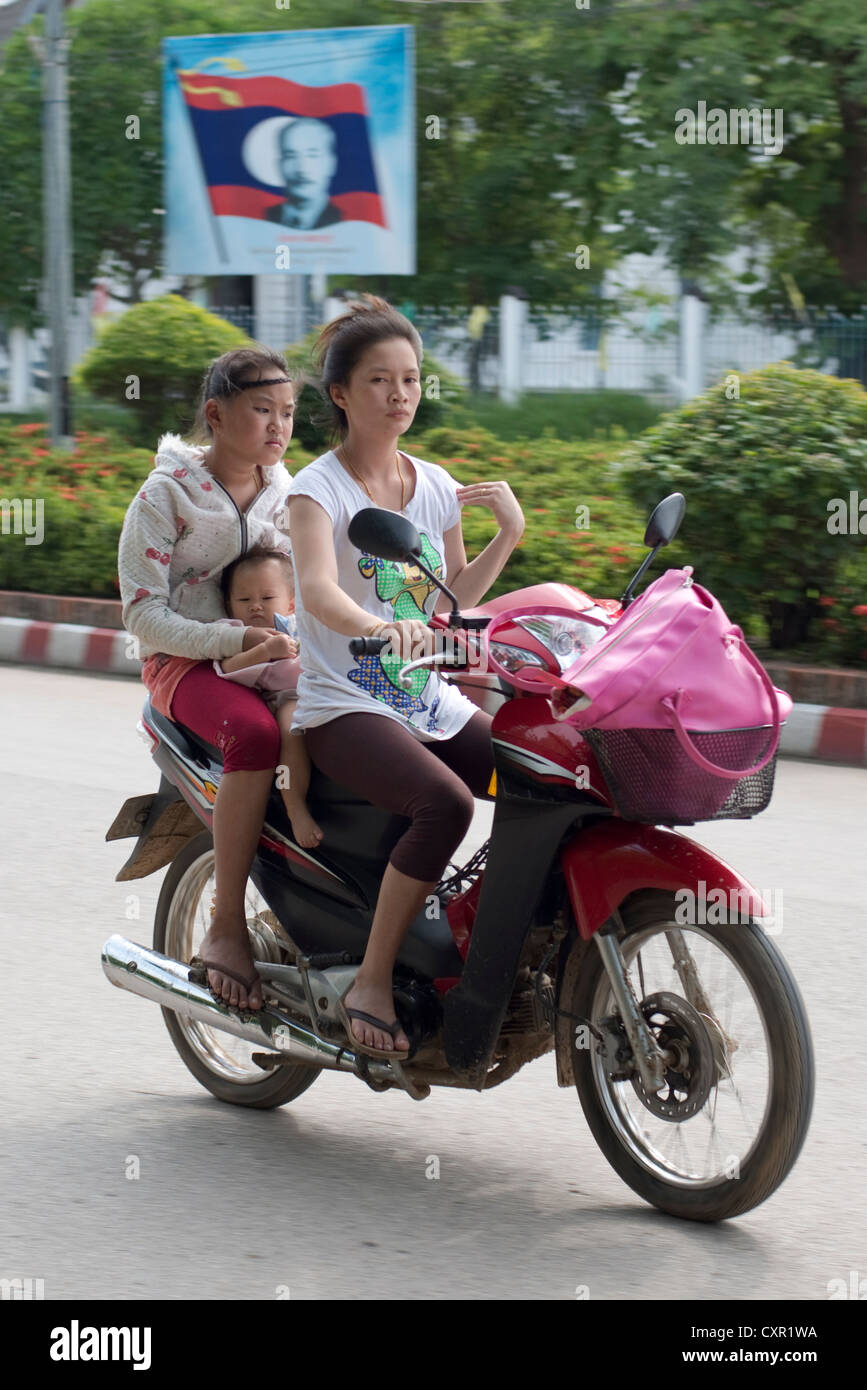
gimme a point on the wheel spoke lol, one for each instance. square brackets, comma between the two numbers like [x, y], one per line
[691, 1148]
[226, 1055]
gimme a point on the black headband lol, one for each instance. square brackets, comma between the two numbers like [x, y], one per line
[263, 381]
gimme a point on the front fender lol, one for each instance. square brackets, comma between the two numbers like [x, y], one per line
[614, 858]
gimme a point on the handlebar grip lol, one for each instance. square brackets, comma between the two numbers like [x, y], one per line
[367, 646]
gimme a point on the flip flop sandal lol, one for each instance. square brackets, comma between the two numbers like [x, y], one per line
[396, 1055]
[199, 976]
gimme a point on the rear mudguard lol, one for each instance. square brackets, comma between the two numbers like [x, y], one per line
[163, 823]
[614, 858]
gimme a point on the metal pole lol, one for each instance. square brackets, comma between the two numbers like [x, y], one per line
[57, 287]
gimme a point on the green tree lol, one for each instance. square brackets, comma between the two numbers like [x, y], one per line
[556, 129]
[498, 204]
[510, 184]
[114, 73]
[799, 215]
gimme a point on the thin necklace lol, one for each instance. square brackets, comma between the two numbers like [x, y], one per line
[364, 484]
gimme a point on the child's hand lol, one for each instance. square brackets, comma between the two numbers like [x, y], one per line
[257, 636]
[278, 647]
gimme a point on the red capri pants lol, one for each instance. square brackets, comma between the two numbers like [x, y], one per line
[234, 718]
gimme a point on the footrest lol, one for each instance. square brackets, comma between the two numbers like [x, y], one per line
[328, 958]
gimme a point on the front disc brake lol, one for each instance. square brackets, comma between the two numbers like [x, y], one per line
[690, 1072]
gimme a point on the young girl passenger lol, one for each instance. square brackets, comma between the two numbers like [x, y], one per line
[259, 591]
[202, 507]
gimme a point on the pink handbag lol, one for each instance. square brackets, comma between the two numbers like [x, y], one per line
[682, 716]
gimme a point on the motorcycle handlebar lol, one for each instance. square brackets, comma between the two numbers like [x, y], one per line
[372, 646]
[367, 646]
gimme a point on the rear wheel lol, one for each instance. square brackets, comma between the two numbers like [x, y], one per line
[725, 1128]
[221, 1062]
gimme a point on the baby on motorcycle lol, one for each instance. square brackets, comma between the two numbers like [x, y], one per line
[259, 591]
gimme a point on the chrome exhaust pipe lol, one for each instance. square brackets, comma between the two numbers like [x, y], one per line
[146, 972]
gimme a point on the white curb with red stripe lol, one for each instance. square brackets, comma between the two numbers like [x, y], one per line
[820, 732]
[30, 642]
[826, 733]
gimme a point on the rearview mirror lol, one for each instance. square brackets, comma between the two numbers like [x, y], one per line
[388, 535]
[665, 520]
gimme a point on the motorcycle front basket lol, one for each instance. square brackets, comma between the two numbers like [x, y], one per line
[653, 780]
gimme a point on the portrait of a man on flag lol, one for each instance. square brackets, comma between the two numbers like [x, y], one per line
[328, 163]
[308, 163]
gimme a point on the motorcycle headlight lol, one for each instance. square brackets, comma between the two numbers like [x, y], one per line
[513, 658]
[565, 638]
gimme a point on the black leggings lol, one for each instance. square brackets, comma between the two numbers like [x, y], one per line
[431, 783]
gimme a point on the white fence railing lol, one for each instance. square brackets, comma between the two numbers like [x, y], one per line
[506, 350]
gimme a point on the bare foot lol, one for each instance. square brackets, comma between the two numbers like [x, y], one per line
[232, 950]
[379, 1002]
[304, 828]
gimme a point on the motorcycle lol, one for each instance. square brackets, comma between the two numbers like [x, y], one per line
[686, 1041]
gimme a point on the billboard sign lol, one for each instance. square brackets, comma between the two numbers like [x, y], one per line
[290, 151]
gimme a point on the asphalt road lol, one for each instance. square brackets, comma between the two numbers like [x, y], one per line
[328, 1197]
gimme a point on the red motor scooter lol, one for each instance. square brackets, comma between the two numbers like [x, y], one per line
[684, 1034]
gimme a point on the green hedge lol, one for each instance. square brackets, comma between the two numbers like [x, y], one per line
[161, 350]
[759, 458]
[551, 480]
[86, 494]
[565, 414]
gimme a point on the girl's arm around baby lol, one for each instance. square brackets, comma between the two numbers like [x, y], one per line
[274, 648]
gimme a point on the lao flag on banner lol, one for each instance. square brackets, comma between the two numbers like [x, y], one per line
[273, 149]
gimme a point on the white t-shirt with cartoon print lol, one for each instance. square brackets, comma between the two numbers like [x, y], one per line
[332, 681]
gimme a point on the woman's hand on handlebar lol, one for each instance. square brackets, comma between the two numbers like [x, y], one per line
[411, 638]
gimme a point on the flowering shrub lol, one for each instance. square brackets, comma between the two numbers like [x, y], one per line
[86, 494]
[597, 551]
[840, 634]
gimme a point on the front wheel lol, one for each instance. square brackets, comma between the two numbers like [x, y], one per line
[725, 1128]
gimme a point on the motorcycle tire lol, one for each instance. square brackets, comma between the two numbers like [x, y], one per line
[758, 1173]
[277, 1087]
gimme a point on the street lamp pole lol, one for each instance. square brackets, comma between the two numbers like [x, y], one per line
[57, 280]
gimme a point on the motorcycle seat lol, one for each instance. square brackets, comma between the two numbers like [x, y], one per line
[189, 744]
[322, 789]
[358, 844]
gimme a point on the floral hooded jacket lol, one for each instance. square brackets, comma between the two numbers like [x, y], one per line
[180, 531]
